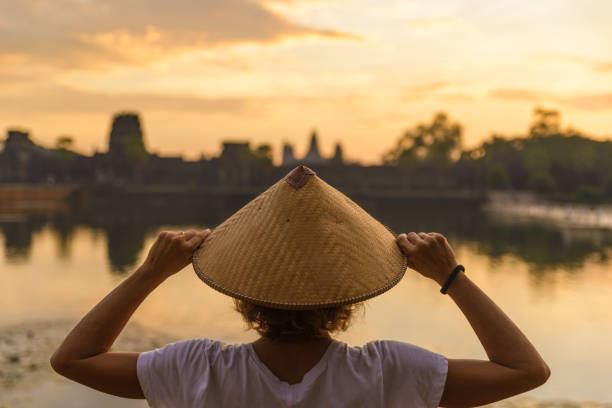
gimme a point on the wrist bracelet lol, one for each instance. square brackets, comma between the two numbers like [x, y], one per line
[451, 278]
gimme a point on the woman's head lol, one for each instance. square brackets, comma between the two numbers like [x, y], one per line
[280, 323]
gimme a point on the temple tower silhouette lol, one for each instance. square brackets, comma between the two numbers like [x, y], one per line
[126, 140]
[313, 156]
[288, 156]
[338, 157]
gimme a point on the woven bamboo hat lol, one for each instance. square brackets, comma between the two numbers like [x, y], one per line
[301, 244]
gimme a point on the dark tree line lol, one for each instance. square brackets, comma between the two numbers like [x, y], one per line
[561, 164]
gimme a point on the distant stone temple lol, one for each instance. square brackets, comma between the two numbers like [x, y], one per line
[126, 139]
[288, 156]
[313, 156]
[235, 150]
[338, 156]
[127, 161]
[239, 169]
[17, 140]
[22, 159]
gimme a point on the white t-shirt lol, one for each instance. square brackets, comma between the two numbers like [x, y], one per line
[207, 373]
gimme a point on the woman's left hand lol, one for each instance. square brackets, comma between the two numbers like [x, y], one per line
[172, 251]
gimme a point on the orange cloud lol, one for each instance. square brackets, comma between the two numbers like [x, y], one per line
[603, 66]
[57, 99]
[590, 63]
[516, 94]
[440, 90]
[94, 35]
[600, 101]
[434, 23]
[415, 92]
[594, 101]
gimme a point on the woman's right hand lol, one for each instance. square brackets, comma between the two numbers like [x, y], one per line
[429, 254]
[172, 251]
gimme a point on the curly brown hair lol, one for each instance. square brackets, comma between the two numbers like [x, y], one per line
[305, 324]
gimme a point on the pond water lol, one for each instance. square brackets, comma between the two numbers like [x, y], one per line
[554, 282]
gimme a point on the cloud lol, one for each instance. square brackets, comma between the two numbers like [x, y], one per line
[590, 63]
[415, 92]
[98, 34]
[16, 71]
[517, 94]
[435, 23]
[55, 99]
[602, 101]
[603, 66]
[44, 99]
[593, 101]
[458, 97]
[440, 90]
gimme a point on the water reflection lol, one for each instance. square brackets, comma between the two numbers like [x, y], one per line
[126, 224]
[18, 236]
[554, 282]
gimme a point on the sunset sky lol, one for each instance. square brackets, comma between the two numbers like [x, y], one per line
[360, 71]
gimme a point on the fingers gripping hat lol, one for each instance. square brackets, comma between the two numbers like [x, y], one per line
[301, 244]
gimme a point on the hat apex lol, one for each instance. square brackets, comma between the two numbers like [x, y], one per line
[299, 176]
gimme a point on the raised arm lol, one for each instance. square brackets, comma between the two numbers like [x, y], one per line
[514, 365]
[83, 356]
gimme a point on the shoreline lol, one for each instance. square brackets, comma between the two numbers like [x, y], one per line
[528, 207]
[25, 349]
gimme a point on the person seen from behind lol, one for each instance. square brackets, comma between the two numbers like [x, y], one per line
[299, 260]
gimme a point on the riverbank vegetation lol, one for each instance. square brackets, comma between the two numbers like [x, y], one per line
[560, 164]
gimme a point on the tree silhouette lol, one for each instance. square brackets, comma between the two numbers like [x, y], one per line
[63, 150]
[64, 143]
[546, 122]
[561, 164]
[437, 143]
[263, 153]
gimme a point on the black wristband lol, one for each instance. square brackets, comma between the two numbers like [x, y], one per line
[451, 278]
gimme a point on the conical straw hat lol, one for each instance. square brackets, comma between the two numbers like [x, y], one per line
[301, 244]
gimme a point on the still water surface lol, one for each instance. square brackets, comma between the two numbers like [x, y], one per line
[555, 283]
